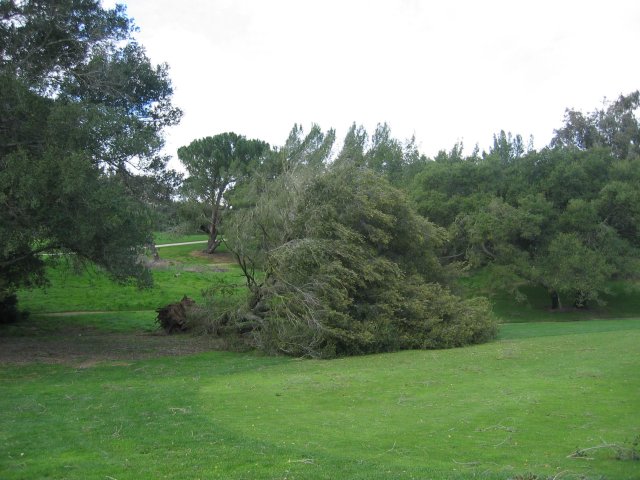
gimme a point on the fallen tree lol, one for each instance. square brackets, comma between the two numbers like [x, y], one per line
[349, 268]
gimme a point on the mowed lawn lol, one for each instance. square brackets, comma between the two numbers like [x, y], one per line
[107, 396]
[515, 408]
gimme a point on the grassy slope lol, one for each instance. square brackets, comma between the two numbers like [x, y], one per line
[92, 290]
[168, 237]
[40, 325]
[518, 405]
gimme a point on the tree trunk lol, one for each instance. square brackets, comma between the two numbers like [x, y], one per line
[154, 251]
[580, 300]
[212, 242]
[555, 300]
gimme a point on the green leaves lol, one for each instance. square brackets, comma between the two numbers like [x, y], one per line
[81, 108]
[565, 218]
[350, 268]
[43, 42]
[570, 267]
[615, 127]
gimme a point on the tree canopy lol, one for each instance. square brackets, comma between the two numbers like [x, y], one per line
[215, 165]
[340, 261]
[348, 267]
[343, 254]
[565, 218]
[395, 160]
[81, 112]
[614, 126]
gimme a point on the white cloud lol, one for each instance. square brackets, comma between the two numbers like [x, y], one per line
[443, 71]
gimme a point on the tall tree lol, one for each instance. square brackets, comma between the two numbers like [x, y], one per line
[312, 149]
[614, 126]
[215, 165]
[382, 153]
[80, 105]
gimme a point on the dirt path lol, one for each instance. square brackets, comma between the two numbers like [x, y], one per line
[88, 349]
[181, 243]
[72, 313]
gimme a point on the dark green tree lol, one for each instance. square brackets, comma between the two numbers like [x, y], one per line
[614, 126]
[354, 146]
[160, 193]
[305, 149]
[397, 161]
[81, 109]
[564, 218]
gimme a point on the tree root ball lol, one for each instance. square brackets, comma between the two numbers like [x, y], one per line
[173, 317]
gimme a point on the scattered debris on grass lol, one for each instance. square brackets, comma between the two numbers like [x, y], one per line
[100, 348]
[622, 452]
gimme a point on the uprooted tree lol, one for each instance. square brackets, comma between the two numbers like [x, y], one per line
[346, 267]
[173, 317]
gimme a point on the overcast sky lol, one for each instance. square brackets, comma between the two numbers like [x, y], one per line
[444, 71]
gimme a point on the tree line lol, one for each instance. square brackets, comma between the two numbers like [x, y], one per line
[565, 218]
[337, 261]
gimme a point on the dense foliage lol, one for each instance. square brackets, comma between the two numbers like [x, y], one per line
[395, 160]
[566, 218]
[81, 108]
[339, 261]
[343, 254]
[346, 267]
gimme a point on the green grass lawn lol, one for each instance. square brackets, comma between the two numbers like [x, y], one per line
[516, 407]
[92, 290]
[193, 254]
[107, 396]
[38, 325]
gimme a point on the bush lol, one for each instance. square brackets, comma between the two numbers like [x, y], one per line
[221, 314]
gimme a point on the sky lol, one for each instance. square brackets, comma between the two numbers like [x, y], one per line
[442, 71]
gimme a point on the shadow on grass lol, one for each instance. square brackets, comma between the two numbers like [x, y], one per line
[85, 339]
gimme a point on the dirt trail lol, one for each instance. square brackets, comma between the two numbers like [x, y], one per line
[87, 349]
[72, 313]
[180, 243]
